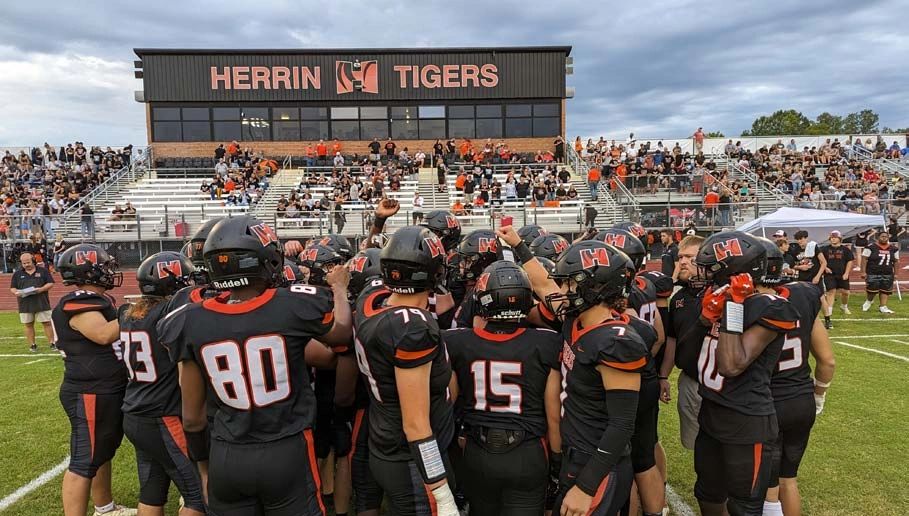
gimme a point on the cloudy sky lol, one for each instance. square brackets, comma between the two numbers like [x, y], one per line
[657, 68]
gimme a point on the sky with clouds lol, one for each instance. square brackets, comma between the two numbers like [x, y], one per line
[657, 68]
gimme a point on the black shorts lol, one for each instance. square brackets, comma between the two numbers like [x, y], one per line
[280, 477]
[402, 482]
[796, 417]
[162, 458]
[613, 491]
[735, 474]
[96, 429]
[835, 282]
[329, 433]
[882, 283]
[508, 480]
[367, 492]
[645, 427]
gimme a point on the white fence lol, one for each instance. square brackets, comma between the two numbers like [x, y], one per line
[716, 145]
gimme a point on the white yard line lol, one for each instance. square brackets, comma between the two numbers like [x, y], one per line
[31, 355]
[36, 361]
[678, 505]
[878, 319]
[887, 336]
[891, 355]
[45, 477]
[900, 341]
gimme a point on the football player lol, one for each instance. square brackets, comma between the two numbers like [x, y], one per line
[94, 377]
[507, 377]
[478, 250]
[796, 397]
[401, 353]
[548, 246]
[878, 269]
[738, 425]
[247, 350]
[200, 289]
[602, 359]
[446, 226]
[530, 232]
[152, 405]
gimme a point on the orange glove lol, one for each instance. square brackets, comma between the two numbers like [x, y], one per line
[713, 303]
[740, 287]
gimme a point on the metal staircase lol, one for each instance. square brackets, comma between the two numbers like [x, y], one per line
[102, 195]
[769, 197]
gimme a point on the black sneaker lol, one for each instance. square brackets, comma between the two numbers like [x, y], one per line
[33, 348]
[53, 346]
[828, 324]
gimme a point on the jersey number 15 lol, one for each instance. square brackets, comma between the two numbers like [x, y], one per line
[489, 377]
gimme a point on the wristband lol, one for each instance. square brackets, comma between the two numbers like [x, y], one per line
[555, 465]
[379, 222]
[425, 454]
[522, 253]
[818, 383]
[197, 444]
[733, 318]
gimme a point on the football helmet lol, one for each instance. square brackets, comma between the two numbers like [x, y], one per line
[445, 225]
[773, 271]
[549, 246]
[728, 253]
[362, 266]
[503, 291]
[625, 241]
[530, 232]
[478, 250]
[242, 251]
[163, 274]
[89, 264]
[589, 272]
[319, 259]
[413, 261]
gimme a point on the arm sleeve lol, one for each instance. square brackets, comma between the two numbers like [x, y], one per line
[415, 343]
[13, 281]
[613, 345]
[551, 349]
[622, 407]
[170, 334]
[48, 277]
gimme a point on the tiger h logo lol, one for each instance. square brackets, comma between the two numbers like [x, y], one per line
[83, 257]
[594, 257]
[728, 248]
[357, 75]
[172, 268]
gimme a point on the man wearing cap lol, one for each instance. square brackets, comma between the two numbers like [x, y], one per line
[839, 260]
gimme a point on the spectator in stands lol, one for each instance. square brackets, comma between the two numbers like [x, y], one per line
[511, 190]
[698, 139]
[578, 146]
[221, 168]
[338, 212]
[593, 181]
[88, 221]
[338, 160]
[417, 207]
[458, 207]
[310, 155]
[441, 174]
[711, 199]
[390, 149]
[725, 203]
[336, 147]
[220, 152]
[129, 211]
[559, 144]
[450, 149]
[590, 216]
[469, 187]
[321, 150]
[539, 194]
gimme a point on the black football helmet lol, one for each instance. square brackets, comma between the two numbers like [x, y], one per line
[89, 264]
[413, 261]
[445, 225]
[503, 291]
[590, 272]
[292, 274]
[773, 272]
[241, 251]
[319, 259]
[530, 232]
[338, 243]
[196, 246]
[625, 241]
[634, 228]
[547, 264]
[728, 253]
[363, 266]
[549, 246]
[162, 274]
[478, 250]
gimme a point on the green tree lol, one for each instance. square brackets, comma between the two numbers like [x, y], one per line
[827, 123]
[862, 122]
[903, 130]
[781, 122]
[715, 134]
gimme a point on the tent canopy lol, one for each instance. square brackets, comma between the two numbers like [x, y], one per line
[818, 223]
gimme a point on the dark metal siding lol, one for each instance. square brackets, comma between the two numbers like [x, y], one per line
[187, 78]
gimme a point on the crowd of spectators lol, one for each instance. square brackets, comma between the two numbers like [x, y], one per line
[548, 185]
[241, 176]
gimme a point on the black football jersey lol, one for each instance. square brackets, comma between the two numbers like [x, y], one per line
[648, 335]
[251, 354]
[881, 261]
[642, 299]
[837, 258]
[612, 343]
[88, 367]
[187, 295]
[792, 377]
[748, 393]
[463, 317]
[662, 283]
[502, 377]
[153, 389]
[683, 323]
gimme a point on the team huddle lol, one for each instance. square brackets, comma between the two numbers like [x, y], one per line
[506, 372]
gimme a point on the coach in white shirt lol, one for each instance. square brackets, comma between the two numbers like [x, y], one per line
[417, 208]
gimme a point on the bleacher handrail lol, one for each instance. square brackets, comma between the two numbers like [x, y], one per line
[773, 190]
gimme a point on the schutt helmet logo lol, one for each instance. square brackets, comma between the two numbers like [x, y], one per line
[166, 269]
[593, 257]
[357, 76]
[727, 249]
[83, 257]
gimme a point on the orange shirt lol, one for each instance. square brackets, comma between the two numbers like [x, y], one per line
[336, 147]
[464, 147]
[310, 152]
[321, 149]
[578, 146]
[711, 199]
[233, 149]
[593, 175]
[459, 182]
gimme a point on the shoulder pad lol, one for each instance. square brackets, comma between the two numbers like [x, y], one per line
[644, 329]
[413, 333]
[84, 301]
[645, 287]
[661, 282]
[613, 344]
[773, 312]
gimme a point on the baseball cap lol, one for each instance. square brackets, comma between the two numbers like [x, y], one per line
[836, 233]
[779, 233]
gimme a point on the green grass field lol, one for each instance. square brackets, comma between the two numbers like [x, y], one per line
[857, 461]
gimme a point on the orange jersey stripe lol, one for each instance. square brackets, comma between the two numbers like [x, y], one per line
[413, 355]
[626, 366]
[785, 325]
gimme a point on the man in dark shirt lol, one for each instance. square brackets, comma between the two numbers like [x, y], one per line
[839, 260]
[30, 285]
[670, 257]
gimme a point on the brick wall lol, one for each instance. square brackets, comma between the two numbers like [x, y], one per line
[274, 149]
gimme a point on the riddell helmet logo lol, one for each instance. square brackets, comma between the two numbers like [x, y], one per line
[482, 282]
[353, 76]
[166, 269]
[594, 257]
[727, 249]
[615, 240]
[83, 257]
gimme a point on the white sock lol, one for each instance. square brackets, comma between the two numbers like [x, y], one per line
[829, 311]
[107, 508]
[773, 508]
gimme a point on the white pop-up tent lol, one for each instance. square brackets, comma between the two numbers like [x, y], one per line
[818, 223]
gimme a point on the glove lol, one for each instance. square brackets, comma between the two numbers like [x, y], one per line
[552, 490]
[740, 287]
[712, 304]
[819, 400]
[445, 502]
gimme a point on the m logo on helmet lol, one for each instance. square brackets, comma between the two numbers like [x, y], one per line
[264, 233]
[452, 221]
[559, 246]
[436, 247]
[309, 255]
[594, 257]
[165, 269]
[487, 245]
[289, 273]
[83, 257]
[615, 240]
[357, 264]
[482, 282]
[729, 248]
